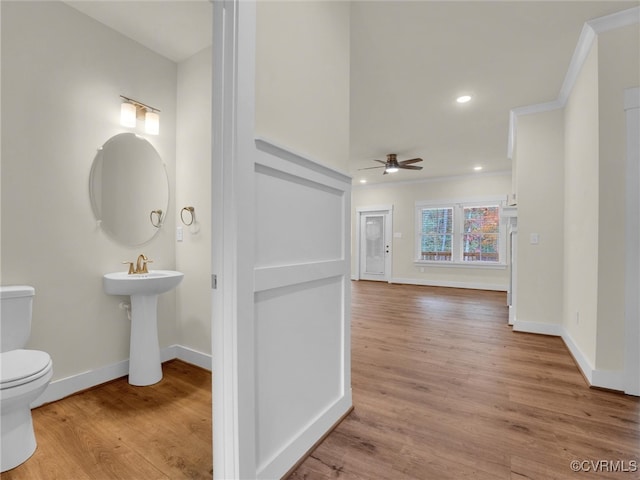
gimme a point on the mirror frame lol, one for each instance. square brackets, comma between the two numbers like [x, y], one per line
[153, 216]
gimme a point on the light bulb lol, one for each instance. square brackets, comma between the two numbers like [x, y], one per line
[391, 169]
[152, 123]
[128, 115]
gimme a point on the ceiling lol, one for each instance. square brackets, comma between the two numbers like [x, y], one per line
[176, 29]
[409, 62]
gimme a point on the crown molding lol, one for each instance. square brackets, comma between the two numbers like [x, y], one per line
[590, 30]
[447, 178]
[621, 19]
[580, 54]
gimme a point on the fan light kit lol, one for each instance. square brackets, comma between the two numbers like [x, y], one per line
[392, 165]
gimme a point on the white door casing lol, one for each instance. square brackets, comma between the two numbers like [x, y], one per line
[374, 251]
[281, 312]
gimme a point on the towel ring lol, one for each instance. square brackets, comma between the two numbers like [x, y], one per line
[157, 222]
[191, 215]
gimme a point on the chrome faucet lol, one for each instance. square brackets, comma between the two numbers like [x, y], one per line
[141, 265]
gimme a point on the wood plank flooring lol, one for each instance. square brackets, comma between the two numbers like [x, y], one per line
[118, 431]
[443, 389]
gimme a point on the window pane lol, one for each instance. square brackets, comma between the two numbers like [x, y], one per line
[481, 219]
[480, 237]
[374, 250]
[437, 221]
[437, 229]
[436, 247]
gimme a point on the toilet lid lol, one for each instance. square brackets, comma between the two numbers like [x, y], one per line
[22, 366]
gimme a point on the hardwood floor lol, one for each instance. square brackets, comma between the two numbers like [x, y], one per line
[118, 431]
[442, 387]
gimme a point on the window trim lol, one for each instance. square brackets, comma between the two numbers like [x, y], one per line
[458, 206]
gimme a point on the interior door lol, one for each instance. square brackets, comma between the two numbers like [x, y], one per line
[375, 245]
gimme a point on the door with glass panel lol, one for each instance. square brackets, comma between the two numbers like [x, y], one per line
[375, 246]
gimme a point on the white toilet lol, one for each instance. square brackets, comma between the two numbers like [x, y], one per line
[24, 375]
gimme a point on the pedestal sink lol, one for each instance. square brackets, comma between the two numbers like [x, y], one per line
[144, 350]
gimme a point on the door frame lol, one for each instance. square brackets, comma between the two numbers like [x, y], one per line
[229, 435]
[387, 210]
[238, 160]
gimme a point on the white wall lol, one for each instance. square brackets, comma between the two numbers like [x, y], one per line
[193, 188]
[618, 69]
[403, 196]
[302, 91]
[539, 153]
[593, 276]
[582, 209]
[62, 74]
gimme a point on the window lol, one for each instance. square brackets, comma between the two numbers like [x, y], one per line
[460, 233]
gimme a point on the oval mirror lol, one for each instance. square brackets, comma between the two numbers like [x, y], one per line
[129, 189]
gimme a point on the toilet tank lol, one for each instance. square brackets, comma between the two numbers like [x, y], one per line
[16, 303]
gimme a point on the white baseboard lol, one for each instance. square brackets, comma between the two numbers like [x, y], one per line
[199, 359]
[610, 379]
[452, 284]
[583, 363]
[537, 327]
[64, 387]
[303, 441]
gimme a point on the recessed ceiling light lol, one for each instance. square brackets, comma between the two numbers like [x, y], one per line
[463, 99]
[478, 168]
[363, 180]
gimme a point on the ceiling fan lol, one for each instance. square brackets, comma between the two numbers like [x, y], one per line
[392, 164]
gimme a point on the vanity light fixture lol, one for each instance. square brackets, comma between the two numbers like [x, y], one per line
[131, 109]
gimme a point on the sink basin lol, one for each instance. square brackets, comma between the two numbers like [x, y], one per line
[153, 283]
[145, 367]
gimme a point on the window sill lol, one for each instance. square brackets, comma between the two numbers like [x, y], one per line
[435, 263]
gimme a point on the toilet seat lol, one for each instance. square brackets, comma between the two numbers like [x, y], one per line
[18, 367]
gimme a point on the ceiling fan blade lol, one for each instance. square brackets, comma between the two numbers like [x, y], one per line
[369, 168]
[407, 162]
[380, 161]
[409, 167]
